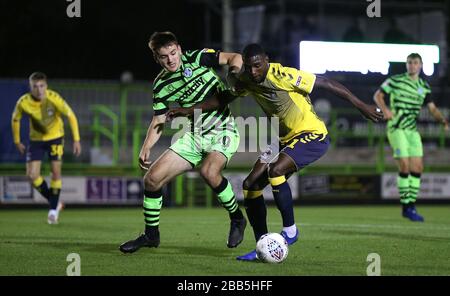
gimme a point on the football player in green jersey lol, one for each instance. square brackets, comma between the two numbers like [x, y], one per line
[188, 78]
[407, 94]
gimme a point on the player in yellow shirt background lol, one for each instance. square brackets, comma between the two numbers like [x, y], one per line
[282, 92]
[45, 108]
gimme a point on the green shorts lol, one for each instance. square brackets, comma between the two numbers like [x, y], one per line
[405, 143]
[194, 148]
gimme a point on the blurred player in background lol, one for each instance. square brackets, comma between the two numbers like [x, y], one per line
[407, 94]
[282, 92]
[45, 108]
[188, 78]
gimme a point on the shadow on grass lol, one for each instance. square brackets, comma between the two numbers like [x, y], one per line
[112, 248]
[52, 242]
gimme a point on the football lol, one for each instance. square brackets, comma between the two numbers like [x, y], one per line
[272, 248]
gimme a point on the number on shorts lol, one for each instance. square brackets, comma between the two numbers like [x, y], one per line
[56, 150]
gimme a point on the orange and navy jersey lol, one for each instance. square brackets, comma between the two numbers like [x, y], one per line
[285, 94]
[46, 122]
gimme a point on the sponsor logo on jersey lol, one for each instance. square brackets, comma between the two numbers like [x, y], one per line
[420, 90]
[298, 80]
[195, 84]
[50, 111]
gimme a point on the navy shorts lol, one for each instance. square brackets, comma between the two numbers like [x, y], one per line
[306, 148]
[53, 148]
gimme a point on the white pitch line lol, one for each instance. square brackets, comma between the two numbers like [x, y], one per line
[428, 226]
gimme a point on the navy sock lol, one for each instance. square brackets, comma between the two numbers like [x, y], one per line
[54, 198]
[283, 199]
[257, 214]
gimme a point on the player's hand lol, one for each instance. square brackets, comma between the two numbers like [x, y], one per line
[77, 148]
[445, 123]
[371, 112]
[178, 112]
[21, 148]
[387, 115]
[236, 85]
[144, 159]
[232, 79]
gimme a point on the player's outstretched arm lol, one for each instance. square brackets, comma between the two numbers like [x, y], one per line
[438, 115]
[217, 101]
[371, 112]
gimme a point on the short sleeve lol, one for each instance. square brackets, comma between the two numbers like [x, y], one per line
[209, 58]
[386, 86]
[299, 80]
[159, 107]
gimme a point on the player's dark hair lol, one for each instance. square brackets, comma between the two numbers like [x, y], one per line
[161, 39]
[414, 55]
[252, 50]
[38, 76]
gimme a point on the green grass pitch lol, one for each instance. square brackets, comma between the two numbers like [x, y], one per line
[335, 240]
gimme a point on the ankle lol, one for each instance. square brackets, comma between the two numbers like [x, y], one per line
[152, 231]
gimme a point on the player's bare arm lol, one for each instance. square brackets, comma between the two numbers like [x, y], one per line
[154, 132]
[381, 103]
[371, 112]
[438, 115]
[233, 60]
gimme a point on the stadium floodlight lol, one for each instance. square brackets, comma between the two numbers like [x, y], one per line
[321, 56]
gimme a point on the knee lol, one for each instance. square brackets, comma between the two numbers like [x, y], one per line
[404, 167]
[247, 184]
[275, 171]
[151, 182]
[251, 185]
[211, 175]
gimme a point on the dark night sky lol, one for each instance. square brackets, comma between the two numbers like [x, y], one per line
[110, 36]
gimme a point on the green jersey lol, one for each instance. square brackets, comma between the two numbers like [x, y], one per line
[193, 82]
[407, 97]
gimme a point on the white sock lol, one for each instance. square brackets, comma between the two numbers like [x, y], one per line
[53, 213]
[291, 230]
